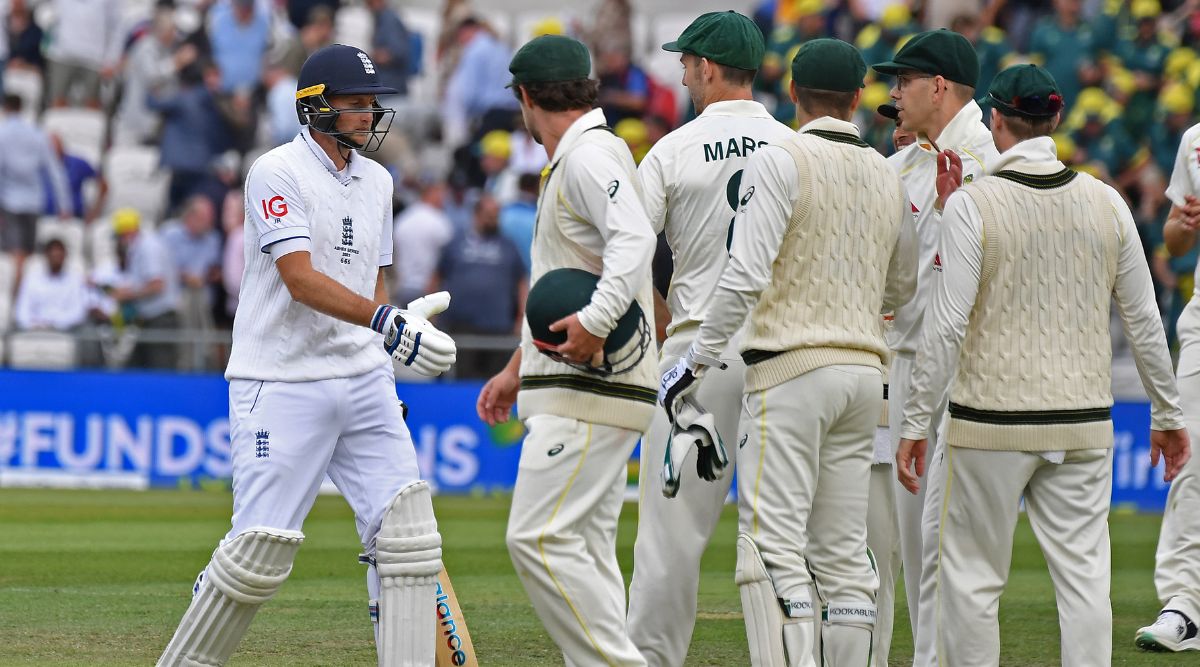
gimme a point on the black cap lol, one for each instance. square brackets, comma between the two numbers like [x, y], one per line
[939, 52]
[338, 69]
[888, 111]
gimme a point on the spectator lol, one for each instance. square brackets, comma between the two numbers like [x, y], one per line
[51, 297]
[85, 48]
[612, 29]
[1145, 55]
[153, 65]
[78, 172]
[391, 47]
[1065, 43]
[991, 45]
[657, 127]
[196, 250]
[193, 131]
[24, 39]
[484, 272]
[476, 100]
[624, 87]
[1176, 104]
[300, 12]
[495, 148]
[239, 32]
[420, 233]
[233, 260]
[149, 291]
[317, 32]
[280, 84]
[803, 20]
[528, 156]
[635, 135]
[878, 40]
[518, 217]
[26, 153]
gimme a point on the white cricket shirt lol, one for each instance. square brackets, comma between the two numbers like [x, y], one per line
[297, 201]
[1185, 180]
[967, 136]
[691, 184]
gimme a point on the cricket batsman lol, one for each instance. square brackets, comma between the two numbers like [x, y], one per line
[311, 386]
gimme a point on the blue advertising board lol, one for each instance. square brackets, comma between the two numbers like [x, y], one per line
[142, 430]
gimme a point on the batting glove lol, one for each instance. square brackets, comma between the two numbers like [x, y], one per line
[411, 339]
[682, 379]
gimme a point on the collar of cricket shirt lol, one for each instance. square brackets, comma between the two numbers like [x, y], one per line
[353, 168]
[1036, 156]
[736, 108]
[587, 121]
[961, 131]
[832, 129]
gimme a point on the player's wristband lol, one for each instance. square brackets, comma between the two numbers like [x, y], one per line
[382, 315]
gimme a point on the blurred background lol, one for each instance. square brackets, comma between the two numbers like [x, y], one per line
[128, 127]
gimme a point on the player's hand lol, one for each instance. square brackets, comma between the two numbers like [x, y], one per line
[910, 455]
[949, 175]
[1173, 446]
[682, 379]
[581, 345]
[1189, 217]
[498, 396]
[413, 341]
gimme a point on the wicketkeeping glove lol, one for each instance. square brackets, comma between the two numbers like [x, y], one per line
[411, 339]
[682, 379]
[693, 427]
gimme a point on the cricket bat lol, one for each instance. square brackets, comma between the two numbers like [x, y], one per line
[454, 648]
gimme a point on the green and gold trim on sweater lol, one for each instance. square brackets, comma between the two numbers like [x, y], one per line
[839, 137]
[1030, 430]
[1038, 181]
[584, 383]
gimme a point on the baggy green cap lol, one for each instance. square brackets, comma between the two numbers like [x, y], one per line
[828, 64]
[726, 38]
[1025, 90]
[939, 52]
[550, 58]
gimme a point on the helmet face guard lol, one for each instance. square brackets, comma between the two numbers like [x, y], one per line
[314, 110]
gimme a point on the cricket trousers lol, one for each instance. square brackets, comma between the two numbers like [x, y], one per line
[917, 516]
[803, 486]
[883, 539]
[673, 532]
[1177, 561]
[1067, 504]
[562, 536]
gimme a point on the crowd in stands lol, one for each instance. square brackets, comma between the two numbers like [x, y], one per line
[128, 128]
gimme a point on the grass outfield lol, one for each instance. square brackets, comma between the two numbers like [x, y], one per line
[102, 577]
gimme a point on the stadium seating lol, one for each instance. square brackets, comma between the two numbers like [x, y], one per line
[8, 271]
[41, 350]
[136, 180]
[81, 130]
[100, 244]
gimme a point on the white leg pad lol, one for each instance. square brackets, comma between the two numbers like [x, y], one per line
[846, 634]
[244, 573]
[408, 557]
[775, 637]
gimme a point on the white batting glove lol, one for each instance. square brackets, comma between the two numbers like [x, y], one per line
[682, 379]
[412, 340]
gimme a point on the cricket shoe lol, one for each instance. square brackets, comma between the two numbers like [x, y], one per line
[1171, 632]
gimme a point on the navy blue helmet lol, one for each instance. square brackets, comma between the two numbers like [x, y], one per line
[338, 69]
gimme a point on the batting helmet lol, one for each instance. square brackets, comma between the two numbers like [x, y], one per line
[338, 69]
[560, 293]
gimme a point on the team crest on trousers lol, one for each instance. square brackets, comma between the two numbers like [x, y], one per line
[262, 444]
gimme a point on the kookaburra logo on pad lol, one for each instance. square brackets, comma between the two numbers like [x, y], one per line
[368, 66]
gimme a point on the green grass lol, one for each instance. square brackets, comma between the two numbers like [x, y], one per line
[101, 578]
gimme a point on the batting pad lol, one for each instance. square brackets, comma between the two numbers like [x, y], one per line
[764, 614]
[244, 573]
[408, 557]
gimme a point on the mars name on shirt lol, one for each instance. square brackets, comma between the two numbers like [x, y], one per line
[692, 175]
[296, 202]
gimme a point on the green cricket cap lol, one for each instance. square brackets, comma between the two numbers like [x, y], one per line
[548, 59]
[828, 64]
[1025, 90]
[938, 52]
[726, 38]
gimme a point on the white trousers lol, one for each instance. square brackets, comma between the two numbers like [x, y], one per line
[883, 539]
[1067, 505]
[673, 532]
[1177, 567]
[803, 482]
[286, 436]
[918, 518]
[562, 536]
